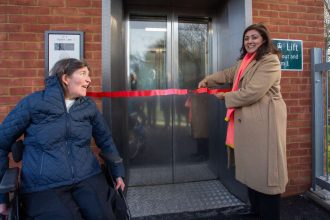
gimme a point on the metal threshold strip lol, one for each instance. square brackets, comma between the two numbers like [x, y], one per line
[179, 198]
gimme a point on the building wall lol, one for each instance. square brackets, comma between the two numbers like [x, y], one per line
[301, 20]
[23, 23]
[22, 27]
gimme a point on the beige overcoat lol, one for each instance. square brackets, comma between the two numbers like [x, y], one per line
[260, 124]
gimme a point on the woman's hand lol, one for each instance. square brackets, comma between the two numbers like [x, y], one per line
[220, 95]
[120, 183]
[203, 83]
[3, 209]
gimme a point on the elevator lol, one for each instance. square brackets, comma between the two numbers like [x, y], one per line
[171, 141]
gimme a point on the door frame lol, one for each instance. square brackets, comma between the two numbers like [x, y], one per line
[233, 28]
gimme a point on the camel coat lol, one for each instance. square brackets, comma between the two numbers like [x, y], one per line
[260, 124]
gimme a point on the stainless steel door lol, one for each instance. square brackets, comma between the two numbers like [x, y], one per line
[168, 135]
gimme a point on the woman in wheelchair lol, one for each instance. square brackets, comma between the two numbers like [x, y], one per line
[61, 178]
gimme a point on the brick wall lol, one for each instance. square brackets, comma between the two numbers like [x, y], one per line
[22, 26]
[300, 20]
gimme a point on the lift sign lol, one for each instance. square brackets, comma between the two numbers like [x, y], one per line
[292, 54]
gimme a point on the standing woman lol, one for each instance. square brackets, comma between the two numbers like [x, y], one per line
[61, 178]
[257, 119]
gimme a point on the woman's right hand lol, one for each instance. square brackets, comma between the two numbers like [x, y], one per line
[203, 83]
[3, 209]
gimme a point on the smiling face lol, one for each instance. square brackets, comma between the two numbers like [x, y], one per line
[76, 84]
[252, 41]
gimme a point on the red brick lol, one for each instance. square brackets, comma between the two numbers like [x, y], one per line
[270, 14]
[22, 73]
[34, 64]
[3, 36]
[278, 7]
[35, 28]
[11, 45]
[89, 12]
[14, 55]
[21, 91]
[255, 14]
[263, 5]
[306, 145]
[280, 21]
[11, 64]
[23, 2]
[293, 160]
[3, 19]
[292, 131]
[10, 27]
[50, 3]
[51, 20]
[36, 10]
[79, 3]
[22, 37]
[96, 4]
[6, 100]
[289, 2]
[316, 10]
[78, 20]
[305, 131]
[4, 110]
[289, 15]
[33, 46]
[4, 91]
[288, 28]
[295, 123]
[299, 152]
[97, 20]
[298, 8]
[97, 37]
[11, 9]
[64, 11]
[22, 19]
[64, 27]
[93, 46]
[290, 102]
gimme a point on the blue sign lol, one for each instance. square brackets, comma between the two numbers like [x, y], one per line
[292, 54]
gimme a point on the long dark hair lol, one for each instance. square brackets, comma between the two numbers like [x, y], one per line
[67, 66]
[266, 47]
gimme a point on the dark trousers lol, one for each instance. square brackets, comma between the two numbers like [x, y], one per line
[88, 199]
[266, 206]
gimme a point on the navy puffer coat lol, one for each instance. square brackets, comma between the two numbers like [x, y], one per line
[57, 143]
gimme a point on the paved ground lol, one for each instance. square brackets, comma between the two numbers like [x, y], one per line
[292, 208]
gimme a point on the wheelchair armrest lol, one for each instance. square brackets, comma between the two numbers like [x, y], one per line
[110, 158]
[9, 180]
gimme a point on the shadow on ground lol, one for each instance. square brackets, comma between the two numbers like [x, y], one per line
[292, 208]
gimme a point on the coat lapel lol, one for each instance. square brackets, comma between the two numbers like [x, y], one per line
[253, 62]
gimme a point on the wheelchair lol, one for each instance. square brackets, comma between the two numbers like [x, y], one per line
[10, 184]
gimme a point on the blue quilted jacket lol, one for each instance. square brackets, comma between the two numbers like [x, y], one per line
[57, 143]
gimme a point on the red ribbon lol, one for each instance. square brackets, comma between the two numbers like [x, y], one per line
[154, 92]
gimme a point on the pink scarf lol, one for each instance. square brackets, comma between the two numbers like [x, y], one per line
[230, 111]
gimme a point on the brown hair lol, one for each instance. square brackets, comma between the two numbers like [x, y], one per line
[67, 66]
[266, 47]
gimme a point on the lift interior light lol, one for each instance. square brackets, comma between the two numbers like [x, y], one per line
[156, 29]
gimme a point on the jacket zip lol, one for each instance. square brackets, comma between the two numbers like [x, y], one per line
[68, 147]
